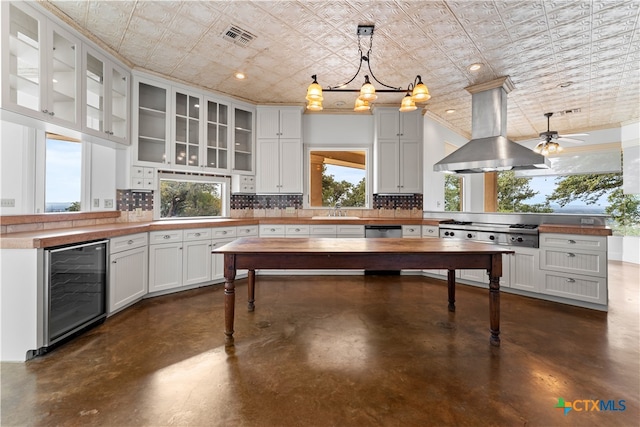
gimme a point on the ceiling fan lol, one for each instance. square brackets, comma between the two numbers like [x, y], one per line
[549, 144]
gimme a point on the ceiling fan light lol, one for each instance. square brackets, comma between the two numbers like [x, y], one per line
[559, 148]
[538, 148]
[407, 104]
[314, 105]
[552, 147]
[361, 105]
[314, 91]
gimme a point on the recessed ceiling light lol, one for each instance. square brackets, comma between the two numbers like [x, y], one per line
[474, 67]
[240, 76]
[450, 111]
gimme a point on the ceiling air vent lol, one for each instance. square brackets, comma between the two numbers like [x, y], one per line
[237, 35]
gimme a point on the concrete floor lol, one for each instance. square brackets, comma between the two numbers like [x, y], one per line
[340, 351]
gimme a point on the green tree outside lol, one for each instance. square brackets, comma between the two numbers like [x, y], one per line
[186, 199]
[514, 191]
[344, 192]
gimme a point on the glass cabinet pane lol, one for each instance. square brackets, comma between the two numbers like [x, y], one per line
[119, 103]
[217, 154]
[187, 130]
[95, 93]
[63, 94]
[152, 116]
[24, 59]
[243, 140]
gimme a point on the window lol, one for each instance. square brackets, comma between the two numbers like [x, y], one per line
[63, 174]
[338, 176]
[453, 193]
[188, 196]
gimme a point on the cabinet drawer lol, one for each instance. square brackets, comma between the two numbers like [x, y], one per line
[196, 234]
[322, 230]
[247, 230]
[123, 243]
[411, 231]
[430, 231]
[352, 230]
[575, 286]
[222, 232]
[573, 241]
[579, 262]
[272, 230]
[296, 231]
[165, 236]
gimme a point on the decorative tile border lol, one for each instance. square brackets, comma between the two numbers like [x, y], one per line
[400, 201]
[271, 201]
[129, 200]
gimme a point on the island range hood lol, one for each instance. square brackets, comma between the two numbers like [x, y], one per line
[489, 149]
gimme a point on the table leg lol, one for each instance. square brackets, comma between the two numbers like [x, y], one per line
[451, 284]
[251, 289]
[494, 299]
[229, 295]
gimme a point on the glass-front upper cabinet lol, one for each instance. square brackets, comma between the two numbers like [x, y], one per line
[106, 106]
[217, 135]
[151, 126]
[41, 66]
[243, 140]
[186, 129]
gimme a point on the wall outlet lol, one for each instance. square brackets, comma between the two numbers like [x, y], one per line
[8, 203]
[96, 203]
[138, 211]
[290, 210]
[108, 203]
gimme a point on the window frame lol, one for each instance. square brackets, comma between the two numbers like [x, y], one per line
[225, 181]
[307, 175]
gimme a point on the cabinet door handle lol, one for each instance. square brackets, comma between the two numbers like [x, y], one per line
[570, 280]
[571, 241]
[166, 236]
[45, 111]
[197, 234]
[114, 262]
[570, 255]
[224, 232]
[130, 242]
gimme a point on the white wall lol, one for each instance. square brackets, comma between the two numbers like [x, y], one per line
[338, 130]
[17, 167]
[436, 136]
[630, 137]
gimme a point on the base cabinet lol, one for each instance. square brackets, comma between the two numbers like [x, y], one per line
[525, 271]
[165, 260]
[127, 270]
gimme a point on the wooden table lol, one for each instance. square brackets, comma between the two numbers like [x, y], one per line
[368, 254]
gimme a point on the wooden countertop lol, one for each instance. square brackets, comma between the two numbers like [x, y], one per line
[64, 236]
[575, 229]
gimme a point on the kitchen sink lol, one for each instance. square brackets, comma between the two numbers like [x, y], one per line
[335, 217]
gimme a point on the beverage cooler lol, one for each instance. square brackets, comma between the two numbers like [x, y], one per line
[75, 290]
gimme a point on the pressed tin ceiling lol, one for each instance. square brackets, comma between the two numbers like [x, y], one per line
[541, 45]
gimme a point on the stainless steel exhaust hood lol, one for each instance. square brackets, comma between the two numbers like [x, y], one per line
[489, 149]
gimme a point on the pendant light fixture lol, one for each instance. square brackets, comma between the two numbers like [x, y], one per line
[416, 92]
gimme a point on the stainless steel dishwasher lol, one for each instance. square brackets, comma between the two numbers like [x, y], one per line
[382, 232]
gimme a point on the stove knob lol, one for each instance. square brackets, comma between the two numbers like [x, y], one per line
[469, 236]
[452, 234]
[492, 237]
[519, 239]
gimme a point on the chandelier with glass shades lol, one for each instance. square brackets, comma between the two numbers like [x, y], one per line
[417, 91]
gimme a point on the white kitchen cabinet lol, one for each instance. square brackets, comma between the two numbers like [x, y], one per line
[412, 231]
[243, 140]
[279, 150]
[151, 124]
[143, 178]
[525, 269]
[574, 266]
[105, 107]
[247, 231]
[241, 231]
[243, 184]
[349, 231]
[41, 66]
[196, 256]
[397, 152]
[272, 230]
[296, 230]
[430, 231]
[165, 260]
[323, 230]
[127, 270]
[217, 260]
[283, 122]
[186, 136]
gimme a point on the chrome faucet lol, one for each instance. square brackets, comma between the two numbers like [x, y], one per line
[336, 210]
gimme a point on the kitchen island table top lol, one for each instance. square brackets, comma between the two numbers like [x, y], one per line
[253, 253]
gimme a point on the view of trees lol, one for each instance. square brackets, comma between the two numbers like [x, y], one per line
[73, 207]
[183, 199]
[348, 194]
[513, 193]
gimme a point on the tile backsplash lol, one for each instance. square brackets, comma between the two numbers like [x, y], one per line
[129, 200]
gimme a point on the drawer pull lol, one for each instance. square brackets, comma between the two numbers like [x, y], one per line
[431, 231]
[573, 242]
[570, 280]
[197, 235]
[297, 229]
[570, 255]
[166, 236]
[273, 230]
[224, 232]
[129, 242]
